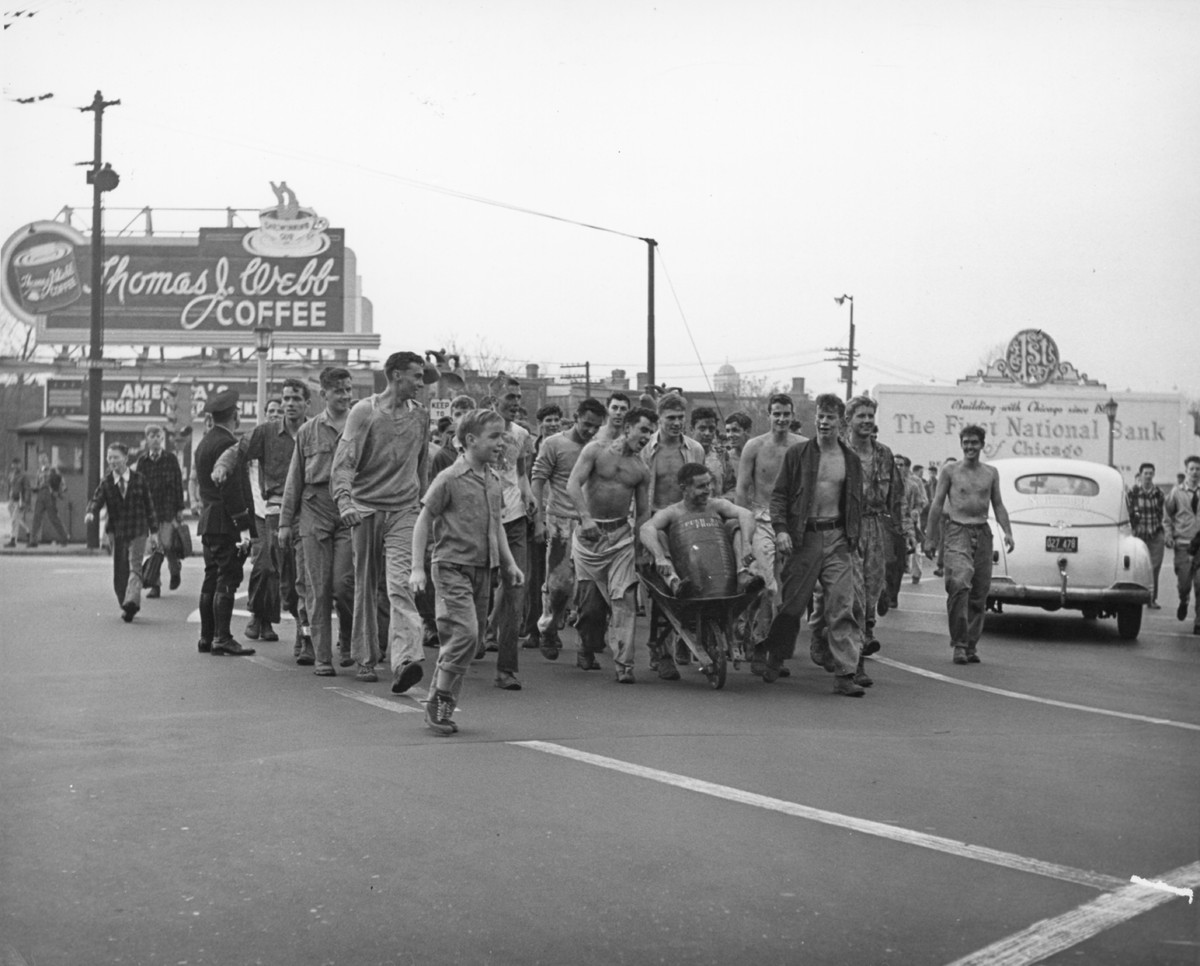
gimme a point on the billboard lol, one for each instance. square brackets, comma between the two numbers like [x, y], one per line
[923, 423]
[292, 273]
[144, 400]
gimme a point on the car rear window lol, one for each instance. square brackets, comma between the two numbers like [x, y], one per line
[1057, 484]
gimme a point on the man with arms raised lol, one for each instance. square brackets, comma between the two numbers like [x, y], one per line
[964, 491]
[557, 518]
[757, 472]
[816, 511]
[607, 477]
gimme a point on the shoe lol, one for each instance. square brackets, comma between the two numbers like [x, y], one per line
[861, 678]
[507, 681]
[127, 612]
[972, 657]
[406, 675]
[821, 657]
[758, 660]
[153, 592]
[231, 648]
[771, 672]
[344, 659]
[10, 544]
[883, 606]
[844, 685]
[960, 655]
[871, 647]
[916, 580]
[490, 646]
[438, 709]
[306, 660]
[252, 630]
[366, 673]
[266, 632]
[175, 581]
[625, 675]
[1181, 610]
[784, 672]
[529, 642]
[429, 636]
[939, 572]
[1155, 605]
[204, 647]
[549, 650]
[325, 671]
[667, 671]
[895, 603]
[586, 661]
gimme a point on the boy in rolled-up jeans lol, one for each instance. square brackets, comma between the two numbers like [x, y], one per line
[463, 510]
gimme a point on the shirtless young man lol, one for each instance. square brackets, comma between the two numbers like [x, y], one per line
[966, 489]
[816, 511]
[757, 471]
[607, 477]
[617, 406]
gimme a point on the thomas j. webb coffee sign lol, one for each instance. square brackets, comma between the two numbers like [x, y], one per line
[292, 273]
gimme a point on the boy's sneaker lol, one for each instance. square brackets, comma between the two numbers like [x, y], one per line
[960, 655]
[366, 673]
[438, 709]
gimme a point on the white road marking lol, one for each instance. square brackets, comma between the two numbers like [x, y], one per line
[385, 703]
[1044, 939]
[1093, 880]
[946, 679]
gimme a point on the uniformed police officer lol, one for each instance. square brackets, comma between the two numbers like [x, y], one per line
[225, 528]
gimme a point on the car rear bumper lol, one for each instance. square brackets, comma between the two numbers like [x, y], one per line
[1005, 591]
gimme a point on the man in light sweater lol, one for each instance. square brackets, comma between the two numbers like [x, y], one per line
[380, 470]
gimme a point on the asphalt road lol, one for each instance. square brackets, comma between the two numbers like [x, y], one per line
[158, 806]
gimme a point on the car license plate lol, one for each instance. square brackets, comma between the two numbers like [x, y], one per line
[1058, 544]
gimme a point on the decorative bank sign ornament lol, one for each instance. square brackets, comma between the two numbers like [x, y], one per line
[292, 273]
[1032, 360]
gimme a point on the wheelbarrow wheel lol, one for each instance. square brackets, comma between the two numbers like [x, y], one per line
[713, 641]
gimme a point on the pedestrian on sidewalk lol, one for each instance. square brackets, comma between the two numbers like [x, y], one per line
[19, 495]
[164, 479]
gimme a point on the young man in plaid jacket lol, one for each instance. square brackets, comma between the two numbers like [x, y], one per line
[131, 520]
[164, 479]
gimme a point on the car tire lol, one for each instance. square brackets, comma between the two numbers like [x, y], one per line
[1129, 621]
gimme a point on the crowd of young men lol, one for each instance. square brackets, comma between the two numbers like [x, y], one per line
[349, 523]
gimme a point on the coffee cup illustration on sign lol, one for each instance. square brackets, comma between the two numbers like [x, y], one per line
[45, 274]
[287, 230]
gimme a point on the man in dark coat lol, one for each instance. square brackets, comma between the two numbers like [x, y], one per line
[131, 520]
[225, 528]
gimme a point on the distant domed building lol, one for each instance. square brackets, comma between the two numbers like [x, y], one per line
[726, 379]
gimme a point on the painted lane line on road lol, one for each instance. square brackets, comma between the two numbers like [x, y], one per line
[946, 679]
[385, 703]
[1044, 939]
[1008, 860]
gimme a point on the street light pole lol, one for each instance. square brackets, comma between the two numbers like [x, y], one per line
[651, 244]
[263, 335]
[849, 367]
[1110, 410]
[102, 179]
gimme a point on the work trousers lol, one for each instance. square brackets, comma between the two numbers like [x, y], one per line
[166, 543]
[559, 588]
[127, 569]
[382, 546]
[823, 558]
[765, 566]
[328, 557]
[18, 518]
[45, 509]
[1157, 547]
[535, 581]
[874, 543]
[461, 604]
[509, 600]
[1187, 573]
[968, 564]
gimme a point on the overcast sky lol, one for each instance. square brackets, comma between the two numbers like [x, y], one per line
[963, 169]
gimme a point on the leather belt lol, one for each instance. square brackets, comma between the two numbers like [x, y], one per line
[609, 525]
[816, 525]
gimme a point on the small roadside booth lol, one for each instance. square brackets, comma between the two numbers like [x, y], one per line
[65, 441]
